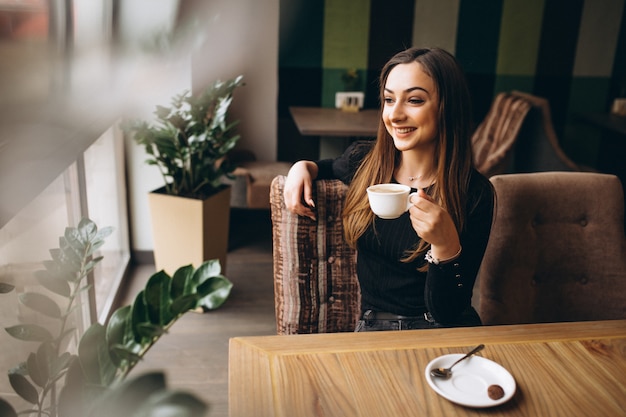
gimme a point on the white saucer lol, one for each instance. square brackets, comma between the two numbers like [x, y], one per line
[470, 379]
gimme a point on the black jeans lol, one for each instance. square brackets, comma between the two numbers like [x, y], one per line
[372, 321]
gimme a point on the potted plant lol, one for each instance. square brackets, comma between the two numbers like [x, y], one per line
[188, 143]
[95, 380]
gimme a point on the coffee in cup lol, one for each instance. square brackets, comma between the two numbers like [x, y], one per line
[389, 201]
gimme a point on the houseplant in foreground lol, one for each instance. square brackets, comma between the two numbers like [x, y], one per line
[94, 381]
[188, 143]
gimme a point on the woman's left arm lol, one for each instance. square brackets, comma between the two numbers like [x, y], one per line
[449, 284]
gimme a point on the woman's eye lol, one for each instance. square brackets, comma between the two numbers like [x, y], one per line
[388, 100]
[416, 101]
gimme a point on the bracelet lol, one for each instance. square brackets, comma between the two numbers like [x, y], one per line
[431, 259]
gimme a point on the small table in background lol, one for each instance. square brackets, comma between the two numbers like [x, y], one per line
[335, 127]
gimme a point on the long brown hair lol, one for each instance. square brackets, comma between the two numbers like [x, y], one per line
[453, 149]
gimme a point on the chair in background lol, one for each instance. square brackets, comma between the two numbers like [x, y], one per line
[315, 285]
[537, 148]
[495, 137]
[557, 250]
[251, 185]
[517, 136]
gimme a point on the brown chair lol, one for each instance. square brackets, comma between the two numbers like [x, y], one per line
[315, 285]
[537, 148]
[494, 139]
[557, 250]
[517, 136]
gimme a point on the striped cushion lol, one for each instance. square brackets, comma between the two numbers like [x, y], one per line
[494, 139]
[315, 284]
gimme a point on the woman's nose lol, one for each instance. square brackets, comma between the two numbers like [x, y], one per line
[396, 112]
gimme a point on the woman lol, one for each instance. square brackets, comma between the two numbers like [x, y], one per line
[416, 271]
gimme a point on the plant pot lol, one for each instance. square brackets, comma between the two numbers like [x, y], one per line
[189, 231]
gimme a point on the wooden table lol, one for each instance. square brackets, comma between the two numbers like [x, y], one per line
[336, 128]
[318, 121]
[561, 369]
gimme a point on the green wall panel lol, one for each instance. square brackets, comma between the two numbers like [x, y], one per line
[520, 33]
[346, 33]
[435, 24]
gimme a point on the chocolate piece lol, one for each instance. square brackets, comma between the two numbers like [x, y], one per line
[495, 392]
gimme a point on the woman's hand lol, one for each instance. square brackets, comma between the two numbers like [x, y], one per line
[433, 224]
[298, 190]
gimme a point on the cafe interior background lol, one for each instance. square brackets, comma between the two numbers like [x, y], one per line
[64, 90]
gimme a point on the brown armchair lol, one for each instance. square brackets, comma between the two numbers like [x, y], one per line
[517, 136]
[315, 284]
[557, 250]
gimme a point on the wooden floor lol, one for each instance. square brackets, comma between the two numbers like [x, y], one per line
[194, 355]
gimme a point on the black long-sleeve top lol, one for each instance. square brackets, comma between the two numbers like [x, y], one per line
[387, 283]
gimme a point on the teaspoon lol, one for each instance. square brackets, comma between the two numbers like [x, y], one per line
[446, 372]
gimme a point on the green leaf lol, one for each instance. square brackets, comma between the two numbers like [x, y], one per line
[182, 282]
[93, 354]
[73, 249]
[122, 353]
[139, 315]
[157, 298]
[41, 303]
[92, 264]
[52, 283]
[103, 233]
[118, 328]
[87, 229]
[119, 332]
[61, 363]
[172, 404]
[183, 304]
[216, 291]
[20, 368]
[150, 330]
[6, 410]
[24, 388]
[126, 398]
[207, 270]
[29, 332]
[35, 372]
[73, 399]
[46, 355]
[6, 288]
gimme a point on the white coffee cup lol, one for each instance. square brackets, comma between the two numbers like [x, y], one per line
[389, 201]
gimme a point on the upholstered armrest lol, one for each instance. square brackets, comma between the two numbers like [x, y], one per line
[315, 284]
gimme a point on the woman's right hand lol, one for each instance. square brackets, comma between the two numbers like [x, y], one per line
[298, 190]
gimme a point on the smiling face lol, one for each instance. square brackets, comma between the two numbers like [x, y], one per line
[411, 107]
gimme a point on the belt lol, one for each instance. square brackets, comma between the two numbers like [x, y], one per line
[370, 315]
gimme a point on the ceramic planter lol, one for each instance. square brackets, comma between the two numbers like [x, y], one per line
[189, 231]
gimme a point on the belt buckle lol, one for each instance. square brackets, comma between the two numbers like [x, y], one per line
[369, 316]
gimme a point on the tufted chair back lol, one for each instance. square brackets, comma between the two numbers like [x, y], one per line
[557, 250]
[315, 285]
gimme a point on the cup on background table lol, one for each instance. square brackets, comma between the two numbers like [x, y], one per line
[389, 201]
